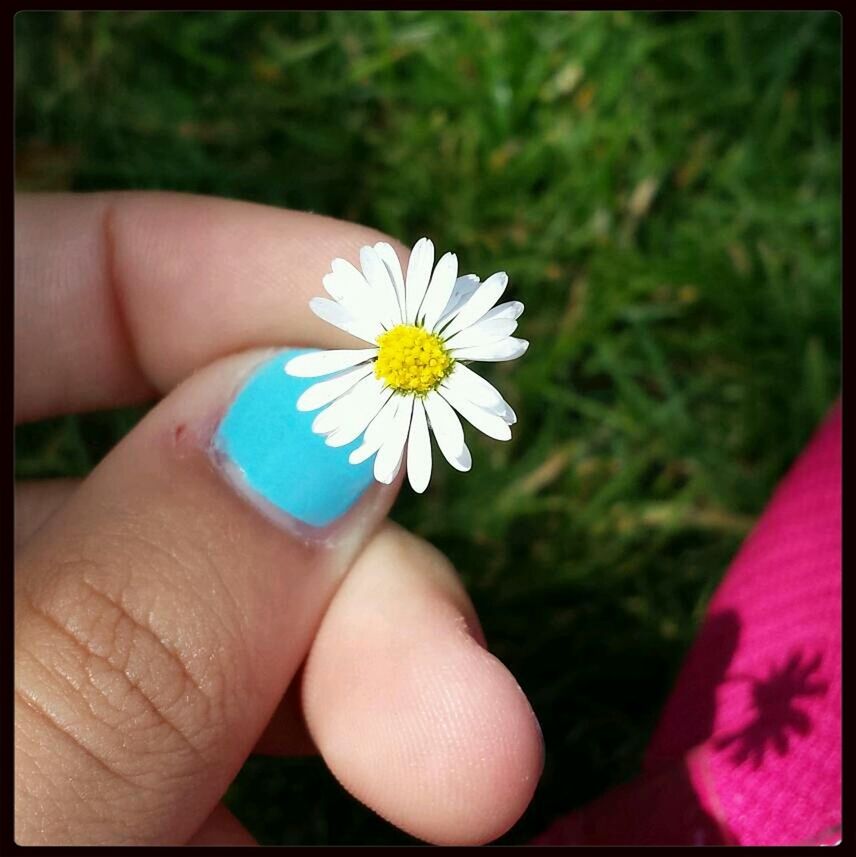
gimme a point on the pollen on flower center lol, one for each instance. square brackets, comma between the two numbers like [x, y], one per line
[411, 360]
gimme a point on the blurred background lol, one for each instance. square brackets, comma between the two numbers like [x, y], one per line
[664, 191]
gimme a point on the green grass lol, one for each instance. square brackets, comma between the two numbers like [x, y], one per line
[663, 190]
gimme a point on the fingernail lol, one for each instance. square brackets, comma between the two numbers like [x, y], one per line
[268, 447]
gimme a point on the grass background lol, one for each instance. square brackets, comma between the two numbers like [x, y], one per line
[663, 189]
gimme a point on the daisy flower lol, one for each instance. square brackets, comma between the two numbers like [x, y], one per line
[421, 332]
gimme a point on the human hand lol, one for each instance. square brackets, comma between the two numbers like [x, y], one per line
[160, 618]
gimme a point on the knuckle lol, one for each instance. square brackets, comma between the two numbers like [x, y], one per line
[103, 656]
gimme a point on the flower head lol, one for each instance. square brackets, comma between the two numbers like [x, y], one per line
[422, 331]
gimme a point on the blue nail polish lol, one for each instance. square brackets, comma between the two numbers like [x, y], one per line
[271, 444]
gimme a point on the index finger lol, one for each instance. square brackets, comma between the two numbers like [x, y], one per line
[120, 296]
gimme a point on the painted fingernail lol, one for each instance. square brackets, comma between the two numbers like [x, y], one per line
[269, 449]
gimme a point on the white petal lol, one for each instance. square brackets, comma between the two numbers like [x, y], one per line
[482, 300]
[361, 453]
[510, 309]
[349, 297]
[318, 363]
[349, 276]
[470, 385]
[335, 288]
[336, 314]
[439, 290]
[448, 431]
[482, 333]
[379, 427]
[418, 450]
[350, 429]
[325, 392]
[464, 287]
[464, 461]
[346, 407]
[393, 265]
[358, 294]
[492, 425]
[496, 352]
[376, 432]
[377, 274]
[394, 473]
[389, 455]
[418, 275]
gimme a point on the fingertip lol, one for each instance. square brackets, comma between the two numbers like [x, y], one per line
[412, 715]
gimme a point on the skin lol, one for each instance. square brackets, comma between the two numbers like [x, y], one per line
[164, 629]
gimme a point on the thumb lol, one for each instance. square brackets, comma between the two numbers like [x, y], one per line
[162, 613]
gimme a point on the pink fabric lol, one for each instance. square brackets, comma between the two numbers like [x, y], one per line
[748, 748]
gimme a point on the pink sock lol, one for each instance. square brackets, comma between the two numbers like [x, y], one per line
[748, 748]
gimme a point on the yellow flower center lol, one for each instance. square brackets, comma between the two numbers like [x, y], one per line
[412, 360]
